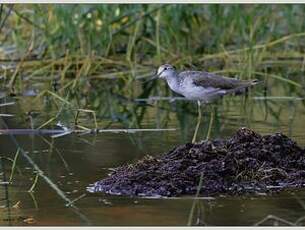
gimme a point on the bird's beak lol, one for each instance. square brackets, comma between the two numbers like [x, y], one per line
[154, 77]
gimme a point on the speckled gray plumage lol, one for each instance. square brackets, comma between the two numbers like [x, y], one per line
[206, 79]
[201, 85]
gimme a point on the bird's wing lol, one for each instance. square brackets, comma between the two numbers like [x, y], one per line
[205, 79]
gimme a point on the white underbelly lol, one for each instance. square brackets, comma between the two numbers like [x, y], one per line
[201, 93]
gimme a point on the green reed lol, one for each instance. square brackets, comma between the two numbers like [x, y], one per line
[93, 56]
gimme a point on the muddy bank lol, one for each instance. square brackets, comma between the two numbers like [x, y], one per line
[245, 163]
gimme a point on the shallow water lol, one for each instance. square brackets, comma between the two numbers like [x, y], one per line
[72, 162]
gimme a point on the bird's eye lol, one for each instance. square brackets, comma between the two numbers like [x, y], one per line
[165, 68]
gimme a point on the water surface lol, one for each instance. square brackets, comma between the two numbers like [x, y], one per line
[73, 162]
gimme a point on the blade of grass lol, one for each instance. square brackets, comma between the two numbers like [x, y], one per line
[14, 165]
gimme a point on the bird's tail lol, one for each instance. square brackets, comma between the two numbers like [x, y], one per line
[243, 88]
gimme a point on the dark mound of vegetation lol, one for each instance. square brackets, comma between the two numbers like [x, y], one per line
[245, 163]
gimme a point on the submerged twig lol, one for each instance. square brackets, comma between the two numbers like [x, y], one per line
[76, 199]
[6, 104]
[157, 98]
[298, 221]
[274, 218]
[6, 115]
[34, 184]
[34, 200]
[40, 173]
[288, 98]
[57, 151]
[61, 132]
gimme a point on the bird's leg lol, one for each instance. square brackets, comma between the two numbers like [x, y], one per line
[198, 122]
[210, 124]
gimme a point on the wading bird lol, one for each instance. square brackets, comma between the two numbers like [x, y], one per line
[201, 86]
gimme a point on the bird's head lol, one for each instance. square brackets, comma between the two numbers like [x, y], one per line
[166, 70]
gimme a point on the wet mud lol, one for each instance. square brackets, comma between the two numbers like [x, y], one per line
[246, 163]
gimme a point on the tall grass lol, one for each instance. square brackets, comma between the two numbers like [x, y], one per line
[150, 33]
[91, 55]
